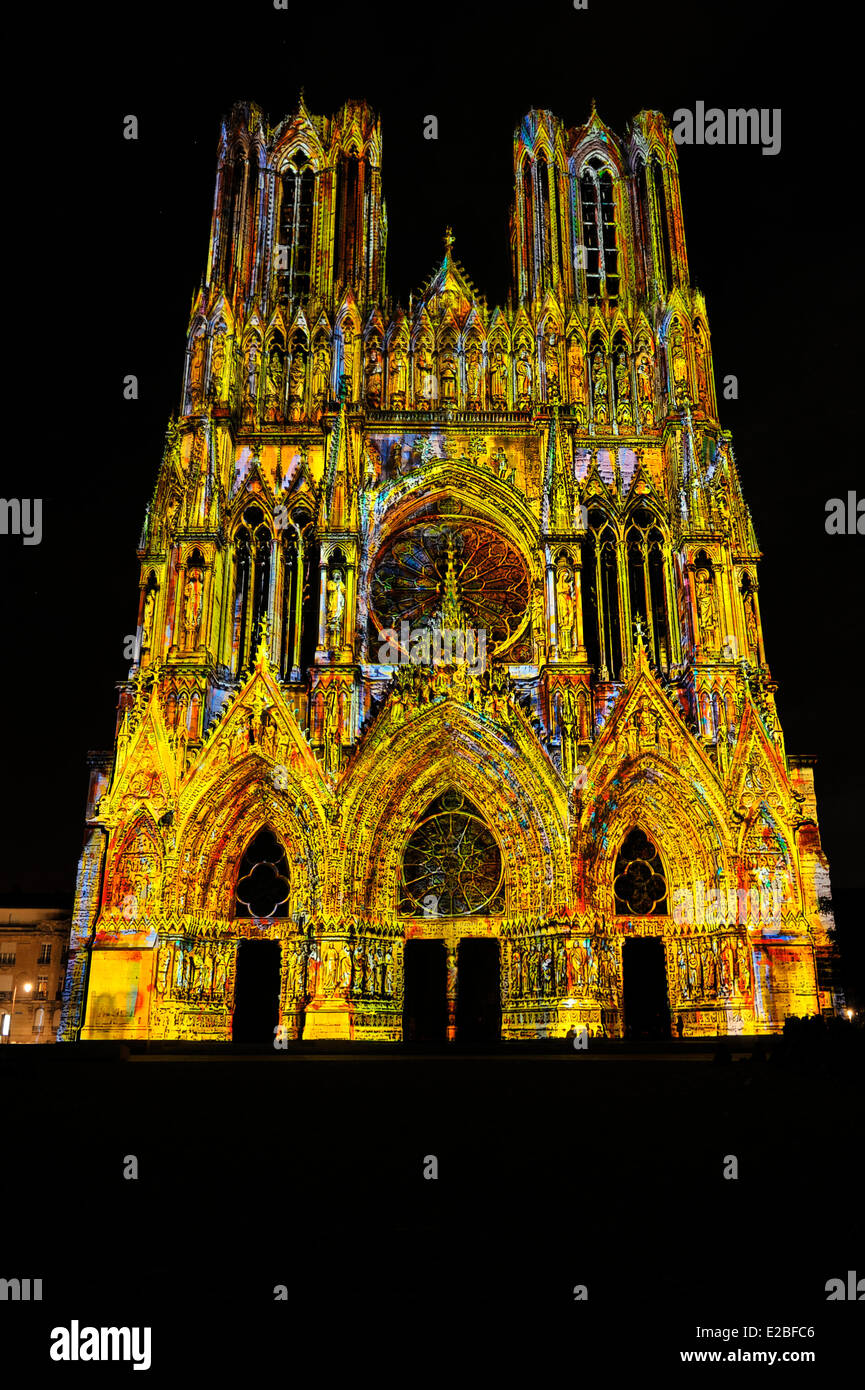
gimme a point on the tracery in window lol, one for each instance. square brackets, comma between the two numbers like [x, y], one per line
[453, 574]
[645, 548]
[639, 882]
[451, 866]
[295, 228]
[263, 881]
[600, 242]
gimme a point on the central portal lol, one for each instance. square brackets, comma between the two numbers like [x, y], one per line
[256, 1006]
[479, 1005]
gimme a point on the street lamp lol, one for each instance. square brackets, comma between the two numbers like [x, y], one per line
[27, 987]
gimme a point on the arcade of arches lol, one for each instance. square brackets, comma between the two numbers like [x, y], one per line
[450, 711]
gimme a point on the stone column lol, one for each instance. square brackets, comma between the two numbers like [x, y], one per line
[322, 607]
[452, 991]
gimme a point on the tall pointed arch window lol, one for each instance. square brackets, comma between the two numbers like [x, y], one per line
[644, 223]
[252, 558]
[659, 185]
[233, 176]
[252, 192]
[644, 542]
[545, 186]
[529, 224]
[353, 193]
[603, 624]
[600, 235]
[295, 551]
[295, 228]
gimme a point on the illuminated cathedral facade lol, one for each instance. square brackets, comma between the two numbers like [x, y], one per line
[449, 662]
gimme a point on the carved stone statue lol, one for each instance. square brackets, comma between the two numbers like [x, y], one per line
[646, 386]
[196, 368]
[449, 377]
[192, 606]
[330, 965]
[551, 359]
[348, 354]
[499, 377]
[539, 627]
[576, 372]
[701, 354]
[147, 619]
[525, 376]
[274, 383]
[678, 361]
[296, 378]
[335, 609]
[624, 414]
[473, 375]
[706, 609]
[217, 364]
[565, 610]
[398, 372]
[372, 471]
[599, 386]
[751, 624]
[250, 382]
[331, 726]
[424, 374]
[320, 374]
[373, 374]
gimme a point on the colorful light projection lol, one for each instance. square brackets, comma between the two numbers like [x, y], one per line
[346, 477]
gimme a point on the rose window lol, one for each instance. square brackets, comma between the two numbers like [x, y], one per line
[452, 573]
[451, 866]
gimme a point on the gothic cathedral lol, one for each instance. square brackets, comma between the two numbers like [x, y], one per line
[449, 696]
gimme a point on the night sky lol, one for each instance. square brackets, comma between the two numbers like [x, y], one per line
[110, 244]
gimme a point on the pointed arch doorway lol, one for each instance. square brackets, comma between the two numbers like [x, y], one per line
[261, 898]
[640, 886]
[451, 879]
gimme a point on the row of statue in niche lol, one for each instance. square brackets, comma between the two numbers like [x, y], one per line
[586, 966]
[200, 971]
[602, 384]
[712, 967]
[706, 967]
[197, 971]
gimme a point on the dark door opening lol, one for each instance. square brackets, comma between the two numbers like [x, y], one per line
[256, 992]
[647, 1012]
[479, 1005]
[425, 1009]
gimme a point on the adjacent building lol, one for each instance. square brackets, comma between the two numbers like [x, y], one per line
[33, 955]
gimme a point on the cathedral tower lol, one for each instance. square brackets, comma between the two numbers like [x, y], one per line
[450, 680]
